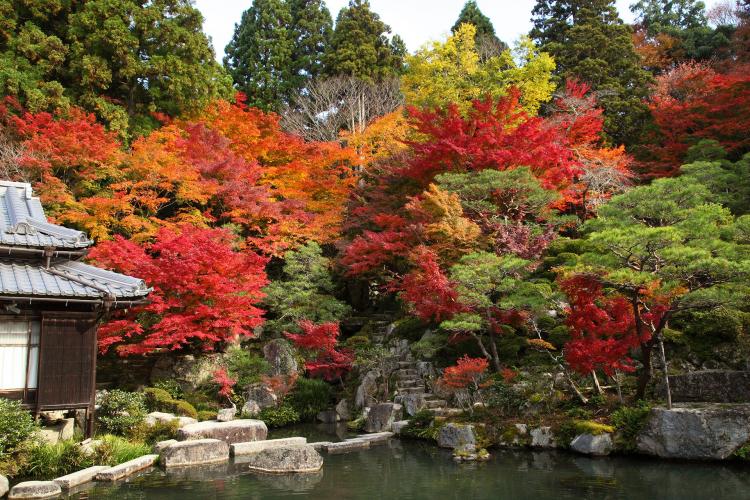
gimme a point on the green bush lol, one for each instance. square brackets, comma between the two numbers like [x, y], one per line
[150, 434]
[170, 386]
[160, 400]
[309, 397]
[47, 461]
[245, 366]
[503, 397]
[116, 450]
[279, 416]
[629, 421]
[119, 411]
[16, 426]
[421, 426]
[207, 415]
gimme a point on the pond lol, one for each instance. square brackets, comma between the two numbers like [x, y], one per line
[416, 470]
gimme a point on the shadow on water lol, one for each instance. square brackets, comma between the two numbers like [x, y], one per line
[414, 470]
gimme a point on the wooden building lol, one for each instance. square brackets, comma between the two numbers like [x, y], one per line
[50, 307]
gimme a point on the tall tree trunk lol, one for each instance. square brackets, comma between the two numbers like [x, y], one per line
[663, 357]
[646, 372]
[495, 357]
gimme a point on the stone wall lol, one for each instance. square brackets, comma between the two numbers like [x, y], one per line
[710, 386]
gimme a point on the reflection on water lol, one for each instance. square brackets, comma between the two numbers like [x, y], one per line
[412, 470]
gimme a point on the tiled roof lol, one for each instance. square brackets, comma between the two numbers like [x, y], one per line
[23, 223]
[66, 279]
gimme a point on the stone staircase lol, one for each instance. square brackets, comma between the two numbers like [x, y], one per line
[412, 391]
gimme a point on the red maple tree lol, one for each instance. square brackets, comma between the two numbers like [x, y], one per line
[205, 293]
[320, 341]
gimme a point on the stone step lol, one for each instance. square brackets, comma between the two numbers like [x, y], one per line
[410, 382]
[406, 364]
[435, 403]
[35, 489]
[195, 452]
[447, 412]
[80, 477]
[258, 446]
[347, 446]
[127, 468]
[411, 390]
[375, 437]
[406, 373]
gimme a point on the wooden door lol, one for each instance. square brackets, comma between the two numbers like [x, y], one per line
[67, 362]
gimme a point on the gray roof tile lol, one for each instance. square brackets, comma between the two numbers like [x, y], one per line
[66, 279]
[23, 223]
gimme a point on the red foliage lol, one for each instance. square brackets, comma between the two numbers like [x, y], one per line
[372, 250]
[602, 328]
[467, 373]
[495, 135]
[224, 381]
[693, 102]
[320, 341]
[204, 293]
[427, 290]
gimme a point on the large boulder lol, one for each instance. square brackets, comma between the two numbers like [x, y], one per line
[381, 417]
[297, 459]
[716, 386]
[597, 445]
[250, 409]
[342, 410]
[226, 414]
[189, 371]
[367, 390]
[35, 489]
[281, 357]
[60, 431]
[158, 417]
[543, 437]
[262, 394]
[696, 431]
[457, 437]
[236, 431]
[199, 451]
[412, 403]
[3, 485]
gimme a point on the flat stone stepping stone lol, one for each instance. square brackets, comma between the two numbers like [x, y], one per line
[257, 446]
[195, 452]
[162, 445]
[348, 446]
[283, 460]
[236, 431]
[320, 445]
[35, 489]
[127, 468]
[377, 437]
[82, 476]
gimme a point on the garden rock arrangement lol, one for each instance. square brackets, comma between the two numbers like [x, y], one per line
[3, 485]
[456, 436]
[195, 452]
[284, 459]
[156, 417]
[80, 477]
[127, 468]
[696, 431]
[249, 448]
[380, 418]
[236, 431]
[590, 444]
[35, 489]
[715, 386]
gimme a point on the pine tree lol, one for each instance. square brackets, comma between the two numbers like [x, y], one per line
[360, 46]
[259, 56]
[590, 43]
[311, 31]
[122, 59]
[485, 36]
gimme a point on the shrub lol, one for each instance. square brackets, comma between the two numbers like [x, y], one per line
[629, 421]
[309, 397]
[150, 434]
[358, 424]
[170, 386]
[48, 461]
[120, 411]
[160, 400]
[116, 450]
[279, 416]
[245, 366]
[207, 415]
[421, 426]
[16, 426]
[503, 397]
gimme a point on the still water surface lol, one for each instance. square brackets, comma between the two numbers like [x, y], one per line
[414, 470]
